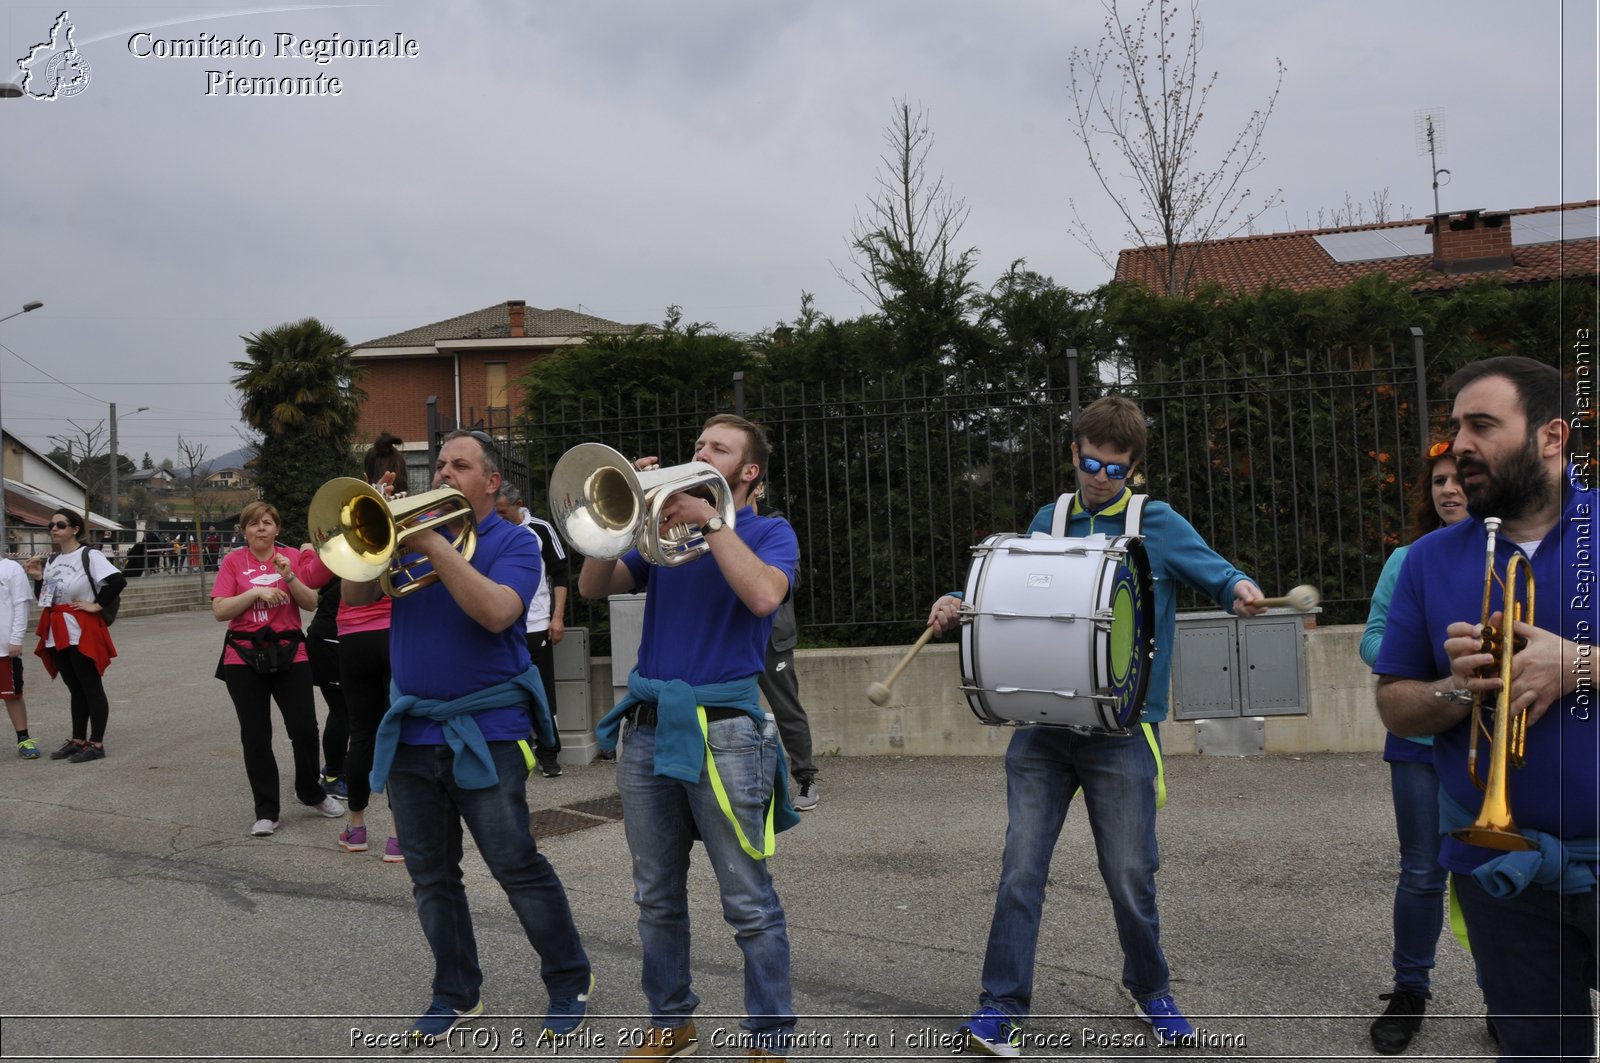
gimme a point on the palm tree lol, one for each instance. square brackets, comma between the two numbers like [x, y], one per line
[299, 395]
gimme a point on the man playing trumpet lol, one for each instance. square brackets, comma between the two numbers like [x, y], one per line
[700, 759]
[1532, 915]
[1120, 775]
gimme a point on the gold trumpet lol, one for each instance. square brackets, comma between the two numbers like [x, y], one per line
[360, 535]
[1494, 828]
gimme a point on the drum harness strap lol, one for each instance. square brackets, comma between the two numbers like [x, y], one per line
[1132, 506]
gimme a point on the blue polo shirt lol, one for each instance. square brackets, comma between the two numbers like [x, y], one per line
[695, 627]
[1441, 582]
[1176, 552]
[437, 651]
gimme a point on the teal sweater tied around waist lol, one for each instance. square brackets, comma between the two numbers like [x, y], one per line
[1564, 865]
[474, 765]
[680, 746]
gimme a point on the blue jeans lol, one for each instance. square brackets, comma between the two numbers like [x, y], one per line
[1419, 892]
[1537, 958]
[429, 809]
[662, 818]
[1044, 768]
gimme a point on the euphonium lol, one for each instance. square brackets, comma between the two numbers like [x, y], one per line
[360, 535]
[604, 506]
[1494, 828]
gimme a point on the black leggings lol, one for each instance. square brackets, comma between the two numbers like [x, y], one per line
[364, 675]
[324, 654]
[89, 704]
[253, 695]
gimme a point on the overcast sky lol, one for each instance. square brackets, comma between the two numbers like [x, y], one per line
[618, 157]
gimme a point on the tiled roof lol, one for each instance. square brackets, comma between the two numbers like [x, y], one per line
[1297, 262]
[494, 322]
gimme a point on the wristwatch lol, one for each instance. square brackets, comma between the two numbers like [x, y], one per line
[715, 524]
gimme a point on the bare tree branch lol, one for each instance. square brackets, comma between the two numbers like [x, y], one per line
[1138, 102]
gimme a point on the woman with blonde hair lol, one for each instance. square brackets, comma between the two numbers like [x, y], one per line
[259, 595]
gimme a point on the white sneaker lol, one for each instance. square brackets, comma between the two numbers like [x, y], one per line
[261, 828]
[329, 807]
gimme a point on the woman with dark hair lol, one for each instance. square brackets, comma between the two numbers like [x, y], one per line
[1437, 499]
[364, 661]
[259, 596]
[75, 583]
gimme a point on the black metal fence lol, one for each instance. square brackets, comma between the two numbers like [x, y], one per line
[1292, 465]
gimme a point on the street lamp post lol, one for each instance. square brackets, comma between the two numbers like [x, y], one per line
[115, 517]
[5, 545]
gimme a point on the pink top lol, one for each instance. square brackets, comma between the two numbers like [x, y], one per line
[239, 572]
[352, 618]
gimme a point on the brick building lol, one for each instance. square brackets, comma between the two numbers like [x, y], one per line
[468, 366]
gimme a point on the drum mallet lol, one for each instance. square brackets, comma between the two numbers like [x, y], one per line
[1301, 599]
[878, 693]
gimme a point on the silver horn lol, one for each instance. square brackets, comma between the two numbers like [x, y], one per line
[605, 507]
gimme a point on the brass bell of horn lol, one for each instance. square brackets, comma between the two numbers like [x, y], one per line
[360, 535]
[605, 507]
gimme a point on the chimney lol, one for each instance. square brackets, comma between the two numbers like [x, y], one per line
[1471, 241]
[514, 310]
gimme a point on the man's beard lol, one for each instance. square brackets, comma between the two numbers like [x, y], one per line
[1520, 486]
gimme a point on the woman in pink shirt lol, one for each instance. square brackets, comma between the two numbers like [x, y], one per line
[259, 596]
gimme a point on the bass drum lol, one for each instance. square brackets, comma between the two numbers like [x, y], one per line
[1058, 631]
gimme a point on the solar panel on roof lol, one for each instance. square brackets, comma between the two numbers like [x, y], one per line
[1576, 223]
[1371, 245]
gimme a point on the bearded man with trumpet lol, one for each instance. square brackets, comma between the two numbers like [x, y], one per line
[700, 759]
[454, 746]
[1530, 901]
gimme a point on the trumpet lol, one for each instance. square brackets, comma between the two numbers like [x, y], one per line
[1494, 828]
[360, 535]
[605, 507]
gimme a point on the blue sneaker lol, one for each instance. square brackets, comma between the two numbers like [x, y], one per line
[1168, 1022]
[567, 1017]
[437, 1022]
[992, 1032]
[335, 786]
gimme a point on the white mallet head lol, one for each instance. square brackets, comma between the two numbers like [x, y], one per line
[878, 694]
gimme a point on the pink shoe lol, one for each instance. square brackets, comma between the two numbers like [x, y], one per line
[353, 839]
[391, 851]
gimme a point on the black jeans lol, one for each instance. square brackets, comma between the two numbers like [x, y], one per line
[253, 695]
[325, 674]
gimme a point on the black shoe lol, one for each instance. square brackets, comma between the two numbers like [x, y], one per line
[87, 753]
[69, 747]
[1393, 1030]
[550, 769]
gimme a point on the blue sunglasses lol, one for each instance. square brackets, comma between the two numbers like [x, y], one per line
[1113, 470]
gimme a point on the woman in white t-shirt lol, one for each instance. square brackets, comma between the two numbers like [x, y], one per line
[74, 640]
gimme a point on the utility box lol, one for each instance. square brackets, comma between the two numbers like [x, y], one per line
[574, 718]
[627, 631]
[1229, 667]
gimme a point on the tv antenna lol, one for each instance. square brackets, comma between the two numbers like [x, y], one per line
[1430, 142]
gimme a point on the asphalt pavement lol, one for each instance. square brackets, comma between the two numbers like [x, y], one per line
[141, 921]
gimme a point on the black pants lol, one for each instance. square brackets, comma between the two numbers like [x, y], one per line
[90, 709]
[543, 652]
[364, 677]
[782, 688]
[253, 695]
[324, 654]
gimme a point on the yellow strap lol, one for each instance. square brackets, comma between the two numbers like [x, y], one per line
[1161, 768]
[727, 806]
[527, 754]
[1458, 920]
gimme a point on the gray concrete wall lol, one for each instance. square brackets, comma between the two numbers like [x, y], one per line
[927, 715]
